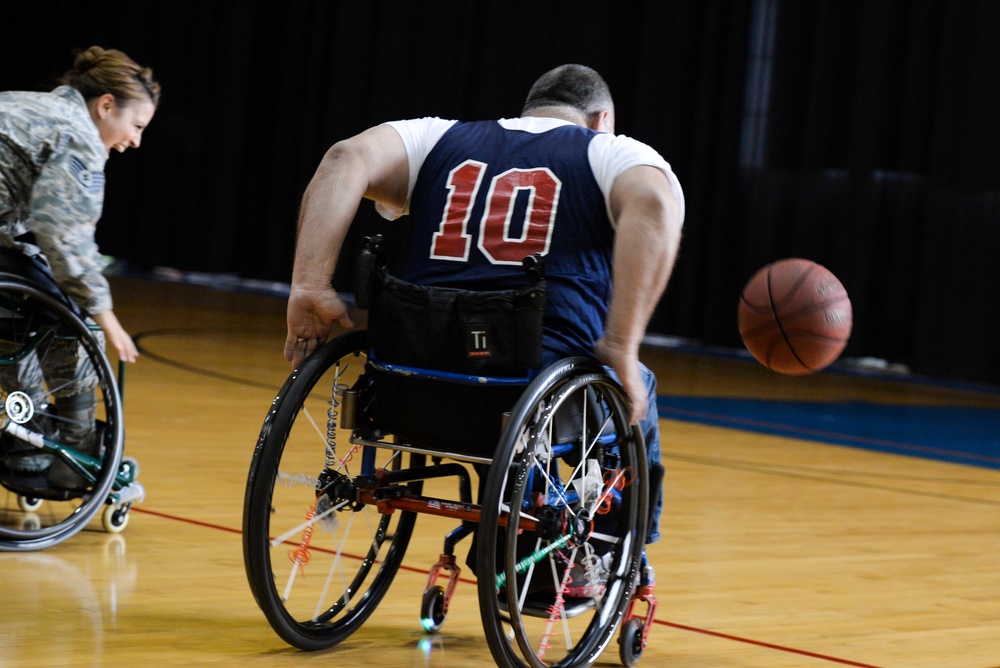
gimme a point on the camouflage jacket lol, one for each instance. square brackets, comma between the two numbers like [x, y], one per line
[52, 185]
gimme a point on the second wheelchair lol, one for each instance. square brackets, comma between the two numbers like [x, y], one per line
[38, 323]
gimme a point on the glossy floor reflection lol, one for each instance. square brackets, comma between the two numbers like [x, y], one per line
[781, 548]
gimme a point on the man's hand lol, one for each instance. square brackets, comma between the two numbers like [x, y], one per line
[626, 365]
[311, 315]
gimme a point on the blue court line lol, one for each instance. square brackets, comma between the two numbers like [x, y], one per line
[951, 434]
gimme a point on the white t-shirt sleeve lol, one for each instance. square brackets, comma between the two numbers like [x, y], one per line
[611, 155]
[419, 136]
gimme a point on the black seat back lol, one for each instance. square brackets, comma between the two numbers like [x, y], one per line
[18, 264]
[447, 363]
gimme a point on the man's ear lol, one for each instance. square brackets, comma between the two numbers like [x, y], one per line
[603, 122]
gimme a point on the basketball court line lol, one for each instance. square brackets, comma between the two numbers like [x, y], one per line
[775, 423]
[661, 622]
[959, 435]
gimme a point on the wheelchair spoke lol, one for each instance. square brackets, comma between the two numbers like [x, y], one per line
[568, 578]
[57, 469]
[334, 568]
[349, 552]
[305, 525]
[558, 609]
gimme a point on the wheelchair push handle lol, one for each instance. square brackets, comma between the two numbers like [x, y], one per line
[367, 270]
[534, 266]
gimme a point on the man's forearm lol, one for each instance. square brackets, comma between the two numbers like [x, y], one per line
[646, 245]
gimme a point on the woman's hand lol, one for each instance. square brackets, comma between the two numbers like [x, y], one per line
[117, 336]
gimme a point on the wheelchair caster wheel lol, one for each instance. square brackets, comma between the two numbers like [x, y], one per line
[432, 609]
[28, 504]
[115, 518]
[630, 642]
[129, 468]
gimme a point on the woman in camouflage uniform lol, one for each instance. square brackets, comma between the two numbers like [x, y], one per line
[53, 147]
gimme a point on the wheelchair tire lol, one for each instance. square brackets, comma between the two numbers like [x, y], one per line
[630, 642]
[114, 519]
[29, 504]
[33, 323]
[554, 595]
[432, 610]
[319, 565]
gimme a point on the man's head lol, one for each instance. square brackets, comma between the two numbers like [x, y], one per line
[577, 88]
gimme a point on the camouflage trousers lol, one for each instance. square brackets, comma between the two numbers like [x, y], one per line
[59, 369]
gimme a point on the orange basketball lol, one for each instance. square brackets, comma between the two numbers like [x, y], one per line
[795, 316]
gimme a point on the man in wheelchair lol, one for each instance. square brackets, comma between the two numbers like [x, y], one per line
[603, 211]
[531, 396]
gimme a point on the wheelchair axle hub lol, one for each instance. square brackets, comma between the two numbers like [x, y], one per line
[550, 523]
[336, 489]
[19, 407]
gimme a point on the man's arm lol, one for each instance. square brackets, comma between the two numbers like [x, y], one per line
[648, 208]
[370, 165]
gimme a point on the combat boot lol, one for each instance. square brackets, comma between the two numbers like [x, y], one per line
[77, 430]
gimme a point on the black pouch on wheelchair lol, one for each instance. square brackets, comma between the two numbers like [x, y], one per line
[470, 333]
[495, 333]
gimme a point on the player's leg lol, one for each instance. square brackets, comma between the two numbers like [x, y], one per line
[72, 381]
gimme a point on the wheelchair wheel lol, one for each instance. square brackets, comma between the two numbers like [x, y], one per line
[568, 491]
[317, 561]
[630, 643]
[28, 504]
[432, 609]
[114, 519]
[35, 327]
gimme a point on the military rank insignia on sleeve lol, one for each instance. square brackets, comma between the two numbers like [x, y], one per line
[91, 180]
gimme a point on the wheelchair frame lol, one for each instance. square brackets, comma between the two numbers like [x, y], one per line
[303, 497]
[33, 315]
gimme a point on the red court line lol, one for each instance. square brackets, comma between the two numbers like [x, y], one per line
[185, 520]
[682, 627]
[239, 532]
[759, 643]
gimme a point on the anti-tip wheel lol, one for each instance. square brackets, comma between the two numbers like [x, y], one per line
[129, 468]
[28, 504]
[115, 518]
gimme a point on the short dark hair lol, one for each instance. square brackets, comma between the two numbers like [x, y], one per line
[576, 86]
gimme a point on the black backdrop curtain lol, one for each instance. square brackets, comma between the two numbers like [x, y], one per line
[862, 135]
[882, 161]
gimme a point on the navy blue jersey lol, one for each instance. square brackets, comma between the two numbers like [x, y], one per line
[486, 197]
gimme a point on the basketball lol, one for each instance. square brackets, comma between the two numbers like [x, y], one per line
[795, 316]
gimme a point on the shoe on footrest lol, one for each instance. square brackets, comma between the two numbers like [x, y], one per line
[63, 476]
[582, 586]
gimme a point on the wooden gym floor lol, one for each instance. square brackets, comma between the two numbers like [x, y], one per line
[838, 519]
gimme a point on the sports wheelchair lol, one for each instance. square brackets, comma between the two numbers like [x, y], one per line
[354, 437]
[36, 320]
